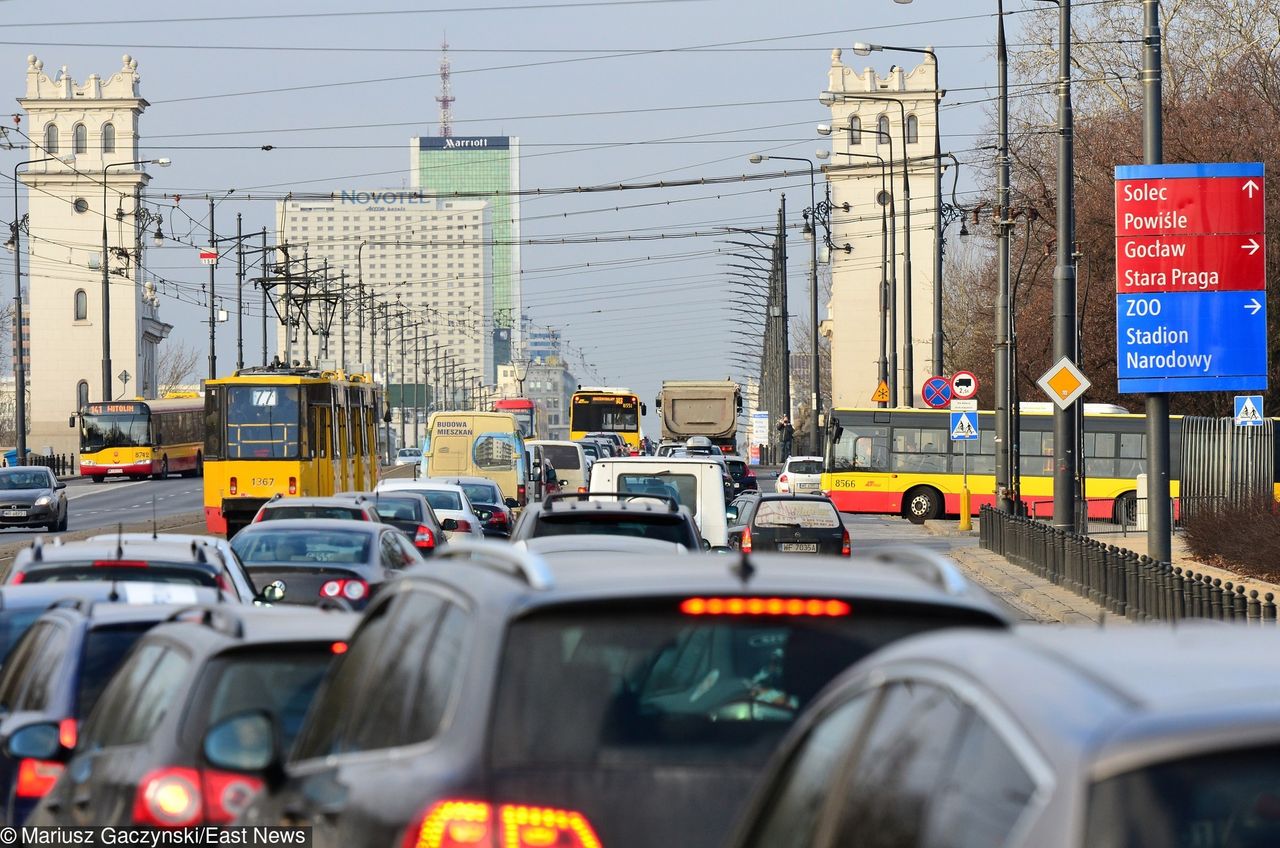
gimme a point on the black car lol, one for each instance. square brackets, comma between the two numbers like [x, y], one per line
[53, 678]
[31, 496]
[182, 733]
[644, 514]
[744, 479]
[317, 560]
[408, 512]
[807, 524]
[629, 701]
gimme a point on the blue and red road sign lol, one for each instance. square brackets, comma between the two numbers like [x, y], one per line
[936, 392]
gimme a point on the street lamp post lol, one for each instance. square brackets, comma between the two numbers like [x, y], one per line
[106, 281]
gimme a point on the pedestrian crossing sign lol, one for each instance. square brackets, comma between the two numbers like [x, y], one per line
[1248, 410]
[964, 426]
[881, 394]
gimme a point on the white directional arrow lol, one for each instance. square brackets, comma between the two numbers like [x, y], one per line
[1253, 306]
[1252, 246]
[1250, 187]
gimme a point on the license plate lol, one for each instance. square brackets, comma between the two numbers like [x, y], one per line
[809, 486]
[115, 470]
[14, 513]
[796, 548]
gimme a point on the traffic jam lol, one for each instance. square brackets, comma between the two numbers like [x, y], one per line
[500, 639]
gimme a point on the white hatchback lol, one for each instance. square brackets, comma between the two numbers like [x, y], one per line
[802, 475]
[447, 502]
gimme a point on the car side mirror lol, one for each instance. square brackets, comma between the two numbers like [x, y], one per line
[71, 422]
[273, 592]
[449, 524]
[59, 485]
[243, 742]
[36, 742]
[731, 513]
[706, 546]
[644, 410]
[721, 549]
[511, 503]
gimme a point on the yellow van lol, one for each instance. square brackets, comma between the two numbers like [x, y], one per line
[478, 444]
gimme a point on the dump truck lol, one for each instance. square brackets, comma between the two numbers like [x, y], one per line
[701, 408]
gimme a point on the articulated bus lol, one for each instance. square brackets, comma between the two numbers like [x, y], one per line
[606, 410]
[903, 462]
[141, 438]
[284, 431]
[530, 418]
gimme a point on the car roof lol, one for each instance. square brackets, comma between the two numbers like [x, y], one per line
[29, 595]
[109, 614]
[595, 543]
[317, 524]
[219, 626]
[469, 481]
[804, 459]
[786, 496]
[330, 500]
[641, 502]
[1137, 695]
[108, 547]
[396, 483]
[665, 460]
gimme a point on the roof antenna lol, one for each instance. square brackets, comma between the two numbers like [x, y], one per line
[115, 591]
[120, 540]
[743, 568]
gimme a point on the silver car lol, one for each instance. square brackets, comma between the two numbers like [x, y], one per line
[1147, 737]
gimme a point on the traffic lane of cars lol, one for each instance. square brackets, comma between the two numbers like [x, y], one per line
[91, 507]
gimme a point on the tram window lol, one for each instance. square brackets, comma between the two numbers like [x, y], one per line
[213, 435]
[262, 422]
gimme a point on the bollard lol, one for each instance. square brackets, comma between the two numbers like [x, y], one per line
[966, 515]
[1215, 599]
[1255, 607]
[1117, 579]
[1228, 601]
[1240, 603]
[1269, 608]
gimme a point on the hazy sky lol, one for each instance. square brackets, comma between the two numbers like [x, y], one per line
[597, 93]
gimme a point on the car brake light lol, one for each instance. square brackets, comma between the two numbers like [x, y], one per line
[464, 526]
[68, 729]
[180, 797]
[844, 542]
[782, 478]
[520, 494]
[352, 590]
[746, 540]
[293, 485]
[816, 607]
[498, 518]
[461, 824]
[582, 490]
[233, 486]
[750, 475]
[36, 777]
[18, 578]
[119, 563]
[423, 537]
[338, 648]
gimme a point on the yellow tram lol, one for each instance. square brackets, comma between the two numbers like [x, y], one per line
[276, 430]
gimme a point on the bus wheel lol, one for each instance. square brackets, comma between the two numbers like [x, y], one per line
[98, 478]
[1125, 512]
[164, 470]
[198, 471]
[922, 504]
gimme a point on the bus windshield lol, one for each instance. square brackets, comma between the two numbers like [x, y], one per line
[100, 430]
[606, 415]
[524, 421]
[262, 422]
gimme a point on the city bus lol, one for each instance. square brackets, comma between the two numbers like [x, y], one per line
[530, 418]
[141, 438]
[903, 462]
[606, 410]
[280, 431]
[478, 444]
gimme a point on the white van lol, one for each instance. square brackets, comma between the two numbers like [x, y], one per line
[568, 459]
[696, 483]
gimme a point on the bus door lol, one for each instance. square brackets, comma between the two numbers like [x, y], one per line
[342, 441]
[861, 479]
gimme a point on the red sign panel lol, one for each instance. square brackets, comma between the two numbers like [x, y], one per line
[1190, 263]
[1203, 205]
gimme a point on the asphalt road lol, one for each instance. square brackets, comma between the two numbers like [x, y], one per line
[102, 505]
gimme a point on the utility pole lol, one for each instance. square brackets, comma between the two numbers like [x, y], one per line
[417, 388]
[1159, 506]
[1064, 285]
[404, 433]
[239, 295]
[1003, 377]
[265, 297]
[342, 282]
[213, 307]
[386, 368]
[288, 307]
[304, 324]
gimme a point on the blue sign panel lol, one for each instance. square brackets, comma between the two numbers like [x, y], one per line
[1191, 342]
[1248, 411]
[964, 426]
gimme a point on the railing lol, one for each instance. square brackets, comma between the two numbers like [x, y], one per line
[1127, 515]
[1119, 580]
[61, 464]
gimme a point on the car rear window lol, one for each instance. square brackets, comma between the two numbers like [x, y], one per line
[562, 457]
[736, 467]
[480, 493]
[792, 513]
[1226, 798]
[805, 466]
[301, 546]
[440, 499]
[682, 487]
[104, 649]
[625, 687]
[398, 509]
[150, 572]
[341, 513]
[666, 527]
[13, 623]
[279, 682]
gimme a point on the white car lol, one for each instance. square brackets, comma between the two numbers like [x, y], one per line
[448, 502]
[802, 475]
[408, 456]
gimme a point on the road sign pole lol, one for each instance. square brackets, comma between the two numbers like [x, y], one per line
[1064, 285]
[1159, 504]
[966, 513]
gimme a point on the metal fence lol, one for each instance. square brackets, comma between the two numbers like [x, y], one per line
[1128, 514]
[61, 464]
[1119, 580]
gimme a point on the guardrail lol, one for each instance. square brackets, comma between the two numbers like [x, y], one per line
[1118, 580]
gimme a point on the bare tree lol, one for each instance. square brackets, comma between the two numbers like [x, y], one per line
[176, 367]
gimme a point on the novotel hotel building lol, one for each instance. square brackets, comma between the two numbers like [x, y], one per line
[482, 168]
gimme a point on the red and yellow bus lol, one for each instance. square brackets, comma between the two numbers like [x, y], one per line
[142, 438]
[606, 410]
[529, 417]
[903, 462]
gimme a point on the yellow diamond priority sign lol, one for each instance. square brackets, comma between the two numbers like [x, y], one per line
[1063, 383]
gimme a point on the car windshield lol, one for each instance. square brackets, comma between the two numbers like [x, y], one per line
[104, 649]
[665, 527]
[485, 493]
[126, 571]
[793, 513]
[13, 623]
[280, 683]
[1224, 799]
[255, 546]
[12, 480]
[805, 466]
[276, 513]
[412, 453]
[682, 487]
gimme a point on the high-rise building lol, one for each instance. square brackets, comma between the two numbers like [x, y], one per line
[540, 343]
[426, 258]
[484, 168]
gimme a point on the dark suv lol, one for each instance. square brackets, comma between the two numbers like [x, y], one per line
[52, 679]
[629, 701]
[184, 731]
[645, 515]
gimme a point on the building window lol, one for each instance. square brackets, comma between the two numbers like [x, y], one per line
[51, 138]
[855, 131]
[882, 130]
[81, 305]
[82, 395]
[913, 130]
[79, 139]
[108, 138]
